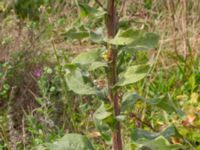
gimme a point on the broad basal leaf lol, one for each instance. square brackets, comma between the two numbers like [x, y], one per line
[133, 74]
[76, 83]
[71, 141]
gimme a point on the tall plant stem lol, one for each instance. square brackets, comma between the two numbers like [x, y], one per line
[111, 24]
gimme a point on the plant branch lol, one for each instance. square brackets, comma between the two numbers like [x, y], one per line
[122, 9]
[141, 121]
[101, 5]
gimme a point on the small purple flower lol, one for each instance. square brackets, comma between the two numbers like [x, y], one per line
[37, 73]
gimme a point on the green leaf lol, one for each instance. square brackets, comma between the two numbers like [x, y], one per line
[168, 132]
[103, 120]
[86, 10]
[96, 65]
[71, 142]
[135, 39]
[124, 37]
[97, 35]
[159, 143]
[87, 58]
[39, 147]
[105, 115]
[128, 101]
[104, 129]
[146, 41]
[76, 83]
[101, 113]
[138, 134]
[120, 117]
[76, 33]
[163, 102]
[133, 74]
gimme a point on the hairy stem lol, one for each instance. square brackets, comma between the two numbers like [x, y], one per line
[111, 24]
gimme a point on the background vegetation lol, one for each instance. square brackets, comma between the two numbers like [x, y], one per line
[40, 42]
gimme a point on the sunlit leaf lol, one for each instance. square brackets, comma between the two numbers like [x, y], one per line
[101, 113]
[146, 41]
[85, 10]
[135, 39]
[124, 37]
[133, 74]
[89, 57]
[96, 65]
[39, 147]
[120, 117]
[71, 141]
[76, 83]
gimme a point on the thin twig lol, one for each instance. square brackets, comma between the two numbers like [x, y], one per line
[101, 5]
[143, 122]
[122, 8]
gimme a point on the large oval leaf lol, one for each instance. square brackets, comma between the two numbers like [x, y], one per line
[135, 39]
[146, 41]
[133, 74]
[102, 113]
[71, 142]
[124, 37]
[76, 83]
[87, 58]
[168, 132]
[159, 143]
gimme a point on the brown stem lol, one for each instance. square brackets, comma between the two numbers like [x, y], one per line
[111, 24]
